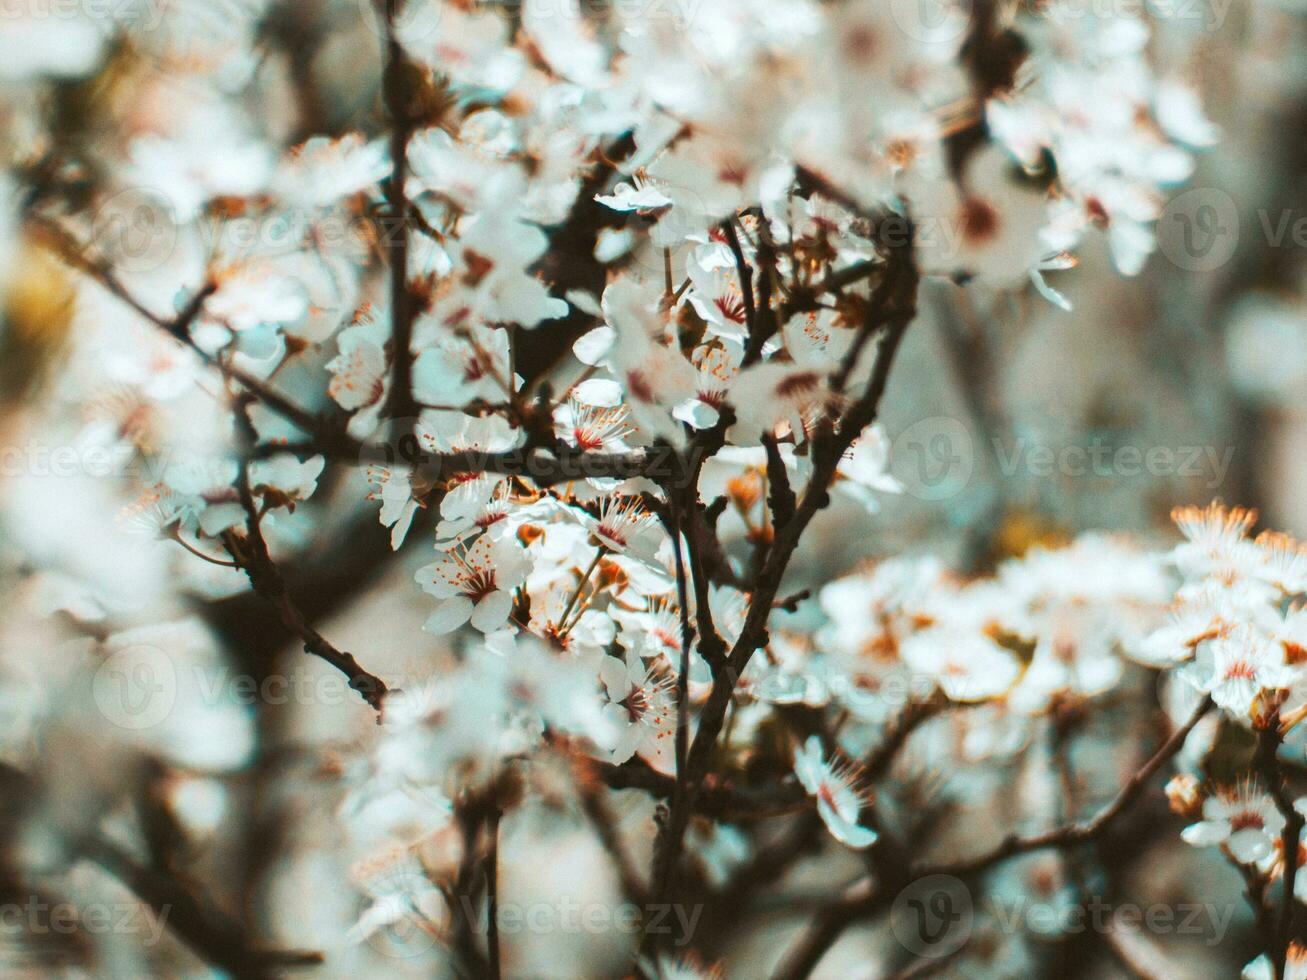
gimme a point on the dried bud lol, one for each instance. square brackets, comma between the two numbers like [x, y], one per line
[611, 575]
[744, 492]
[1183, 795]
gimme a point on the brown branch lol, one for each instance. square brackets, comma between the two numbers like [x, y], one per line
[329, 438]
[682, 684]
[828, 447]
[1077, 833]
[399, 79]
[821, 934]
[492, 892]
[1267, 766]
[250, 552]
[780, 496]
[216, 937]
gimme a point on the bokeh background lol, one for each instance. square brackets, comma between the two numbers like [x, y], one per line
[1012, 423]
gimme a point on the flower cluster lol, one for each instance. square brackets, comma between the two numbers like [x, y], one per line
[582, 318]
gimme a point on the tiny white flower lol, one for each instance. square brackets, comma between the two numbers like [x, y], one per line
[835, 787]
[475, 582]
[640, 705]
[1245, 820]
[1239, 667]
[966, 665]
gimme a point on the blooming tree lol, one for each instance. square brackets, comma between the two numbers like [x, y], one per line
[565, 322]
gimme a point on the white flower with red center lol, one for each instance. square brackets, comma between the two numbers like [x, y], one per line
[475, 582]
[654, 630]
[987, 227]
[718, 367]
[564, 620]
[1197, 617]
[1237, 668]
[767, 395]
[360, 370]
[323, 171]
[640, 705]
[489, 502]
[593, 428]
[1244, 820]
[468, 494]
[624, 526]
[967, 665]
[715, 295]
[645, 360]
[460, 368]
[835, 786]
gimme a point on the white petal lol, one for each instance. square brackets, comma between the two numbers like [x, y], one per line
[492, 611]
[1206, 833]
[843, 831]
[1249, 845]
[599, 391]
[449, 615]
[594, 346]
[696, 413]
[613, 673]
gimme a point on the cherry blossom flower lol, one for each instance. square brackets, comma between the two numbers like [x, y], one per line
[835, 787]
[1217, 546]
[202, 493]
[1286, 562]
[988, 227]
[323, 171]
[640, 705]
[394, 488]
[474, 582]
[626, 527]
[593, 428]
[967, 666]
[360, 371]
[461, 369]
[400, 891]
[653, 630]
[1244, 820]
[1237, 668]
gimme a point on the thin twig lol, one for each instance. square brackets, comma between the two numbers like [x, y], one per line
[1078, 833]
